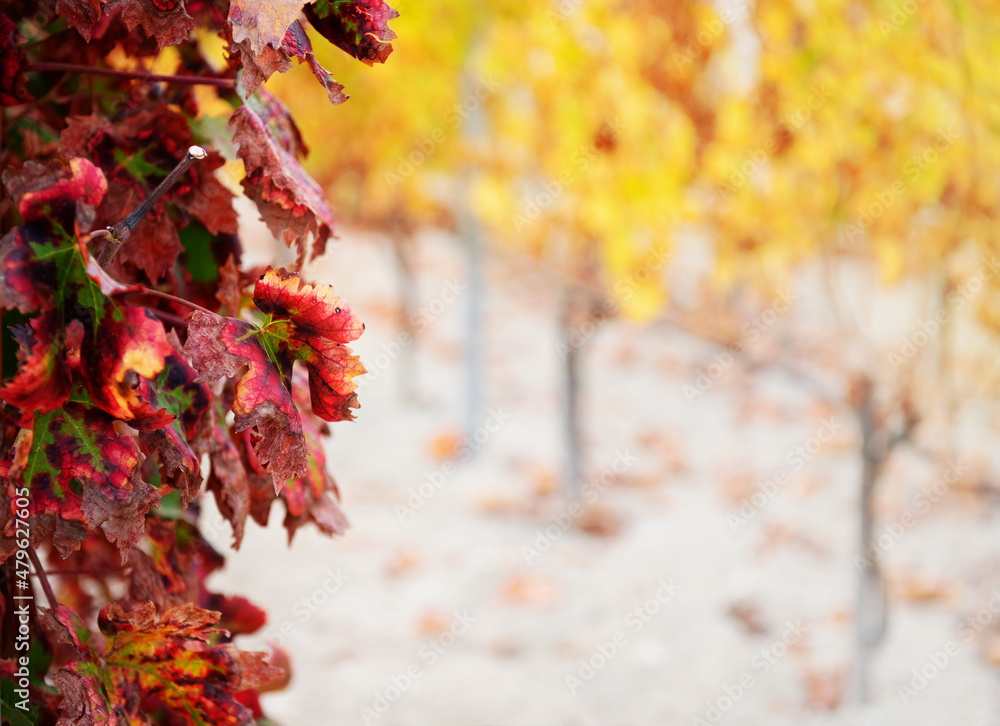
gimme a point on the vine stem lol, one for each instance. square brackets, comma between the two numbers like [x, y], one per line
[138, 75]
[119, 234]
[174, 298]
[42, 577]
[86, 571]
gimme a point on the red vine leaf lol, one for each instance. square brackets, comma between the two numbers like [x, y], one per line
[52, 192]
[259, 65]
[119, 358]
[262, 22]
[311, 497]
[167, 660]
[42, 380]
[320, 324]
[81, 14]
[177, 390]
[360, 28]
[165, 20]
[238, 615]
[76, 442]
[223, 346]
[174, 570]
[228, 482]
[297, 43]
[289, 201]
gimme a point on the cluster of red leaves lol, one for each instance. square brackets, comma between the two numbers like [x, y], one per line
[113, 396]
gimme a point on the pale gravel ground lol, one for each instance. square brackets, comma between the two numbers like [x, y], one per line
[461, 552]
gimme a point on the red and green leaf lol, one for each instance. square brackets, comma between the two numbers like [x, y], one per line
[320, 323]
[360, 28]
[81, 474]
[167, 660]
[42, 381]
[221, 347]
[119, 359]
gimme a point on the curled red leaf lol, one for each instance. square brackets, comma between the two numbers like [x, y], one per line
[291, 204]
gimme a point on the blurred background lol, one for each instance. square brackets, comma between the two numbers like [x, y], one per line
[682, 335]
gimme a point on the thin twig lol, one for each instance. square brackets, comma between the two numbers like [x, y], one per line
[120, 232]
[92, 572]
[138, 75]
[42, 577]
[166, 317]
[174, 298]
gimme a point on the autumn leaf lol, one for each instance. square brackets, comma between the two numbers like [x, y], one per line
[238, 615]
[279, 122]
[297, 44]
[311, 497]
[81, 14]
[320, 323]
[360, 29]
[78, 443]
[230, 291]
[307, 323]
[171, 565]
[42, 381]
[145, 659]
[291, 204]
[262, 22]
[165, 20]
[187, 401]
[314, 496]
[228, 481]
[119, 359]
[221, 347]
[259, 65]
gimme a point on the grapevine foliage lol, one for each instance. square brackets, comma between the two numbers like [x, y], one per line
[136, 351]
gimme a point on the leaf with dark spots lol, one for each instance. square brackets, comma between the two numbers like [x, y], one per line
[42, 380]
[313, 309]
[169, 659]
[223, 346]
[81, 444]
[118, 361]
[320, 323]
[360, 28]
[291, 204]
[332, 369]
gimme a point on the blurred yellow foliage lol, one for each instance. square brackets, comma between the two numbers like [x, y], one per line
[602, 129]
